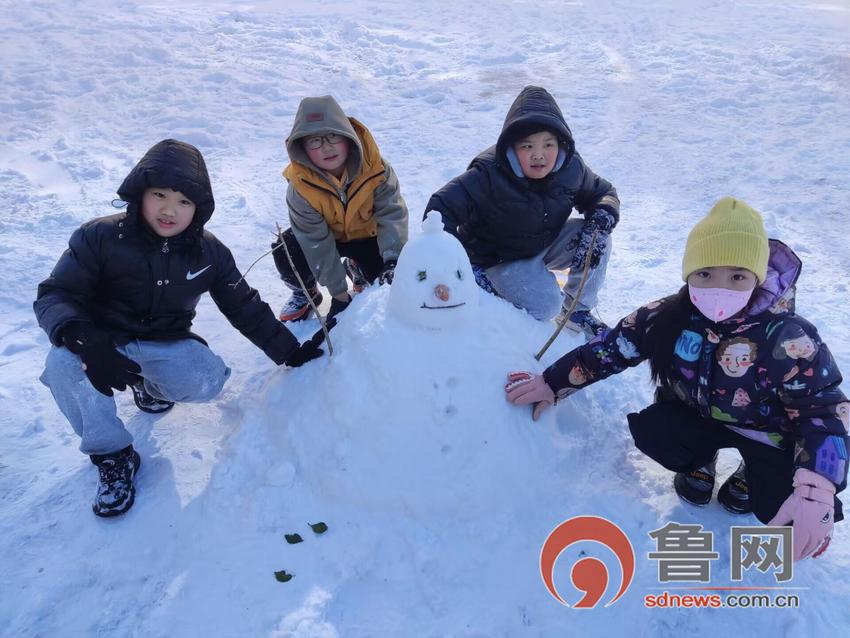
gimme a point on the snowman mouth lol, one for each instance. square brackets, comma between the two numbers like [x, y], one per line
[457, 305]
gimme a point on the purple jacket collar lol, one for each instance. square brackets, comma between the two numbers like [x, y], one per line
[776, 293]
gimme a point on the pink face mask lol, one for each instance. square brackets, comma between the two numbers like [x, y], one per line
[719, 304]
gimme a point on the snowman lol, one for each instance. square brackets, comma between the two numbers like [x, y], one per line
[433, 286]
[409, 415]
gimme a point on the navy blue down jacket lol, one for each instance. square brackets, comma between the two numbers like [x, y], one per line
[500, 216]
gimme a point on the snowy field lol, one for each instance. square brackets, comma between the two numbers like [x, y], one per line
[438, 495]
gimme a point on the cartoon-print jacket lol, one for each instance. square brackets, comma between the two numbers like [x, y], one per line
[768, 376]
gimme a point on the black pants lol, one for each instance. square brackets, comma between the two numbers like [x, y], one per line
[681, 440]
[363, 251]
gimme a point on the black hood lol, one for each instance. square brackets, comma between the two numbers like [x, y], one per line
[176, 165]
[534, 109]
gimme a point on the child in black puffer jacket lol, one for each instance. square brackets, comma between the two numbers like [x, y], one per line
[119, 304]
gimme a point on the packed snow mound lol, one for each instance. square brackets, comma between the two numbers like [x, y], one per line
[409, 414]
[411, 420]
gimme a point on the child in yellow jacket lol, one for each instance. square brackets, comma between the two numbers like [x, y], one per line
[346, 212]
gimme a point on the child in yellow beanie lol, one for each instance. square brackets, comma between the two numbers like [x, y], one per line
[735, 368]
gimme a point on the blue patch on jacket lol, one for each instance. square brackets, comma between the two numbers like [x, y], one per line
[688, 345]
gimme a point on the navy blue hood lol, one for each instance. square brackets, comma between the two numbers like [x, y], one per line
[533, 110]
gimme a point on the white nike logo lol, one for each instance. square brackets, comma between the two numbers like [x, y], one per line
[191, 275]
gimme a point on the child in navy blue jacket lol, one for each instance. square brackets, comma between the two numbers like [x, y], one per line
[512, 209]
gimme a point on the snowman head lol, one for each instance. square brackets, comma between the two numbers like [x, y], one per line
[433, 285]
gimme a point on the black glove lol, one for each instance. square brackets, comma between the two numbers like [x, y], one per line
[105, 367]
[337, 307]
[310, 349]
[600, 221]
[386, 275]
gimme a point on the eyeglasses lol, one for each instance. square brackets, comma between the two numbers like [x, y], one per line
[316, 142]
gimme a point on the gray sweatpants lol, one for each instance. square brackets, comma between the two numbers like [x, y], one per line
[531, 284]
[183, 371]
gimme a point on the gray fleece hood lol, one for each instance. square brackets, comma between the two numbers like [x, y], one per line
[320, 116]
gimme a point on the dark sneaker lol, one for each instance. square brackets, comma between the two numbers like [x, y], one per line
[116, 489]
[298, 308]
[696, 486]
[148, 403]
[355, 274]
[734, 494]
[584, 321]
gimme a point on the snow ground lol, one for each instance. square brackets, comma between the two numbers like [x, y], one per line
[677, 103]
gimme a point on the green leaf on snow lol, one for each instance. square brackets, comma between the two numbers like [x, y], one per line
[282, 576]
[319, 528]
[293, 538]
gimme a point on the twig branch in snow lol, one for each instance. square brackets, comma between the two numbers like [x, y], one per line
[572, 307]
[304, 288]
[268, 252]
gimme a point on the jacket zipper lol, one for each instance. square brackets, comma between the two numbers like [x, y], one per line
[344, 198]
[359, 188]
[160, 281]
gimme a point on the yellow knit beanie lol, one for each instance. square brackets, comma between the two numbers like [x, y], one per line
[732, 234]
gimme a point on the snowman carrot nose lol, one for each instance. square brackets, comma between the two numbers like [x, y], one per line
[442, 292]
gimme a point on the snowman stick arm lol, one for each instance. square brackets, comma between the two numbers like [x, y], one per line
[242, 278]
[572, 307]
[304, 288]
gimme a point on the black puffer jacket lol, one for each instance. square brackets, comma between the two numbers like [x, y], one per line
[499, 216]
[120, 275]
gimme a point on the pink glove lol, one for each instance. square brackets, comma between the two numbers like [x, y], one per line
[524, 388]
[811, 510]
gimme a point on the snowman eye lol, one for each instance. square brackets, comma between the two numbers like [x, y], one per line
[421, 275]
[459, 274]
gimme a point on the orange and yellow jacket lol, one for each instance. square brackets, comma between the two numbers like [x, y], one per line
[323, 210]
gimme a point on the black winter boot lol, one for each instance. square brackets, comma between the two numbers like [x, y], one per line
[696, 486]
[147, 403]
[734, 494]
[116, 489]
